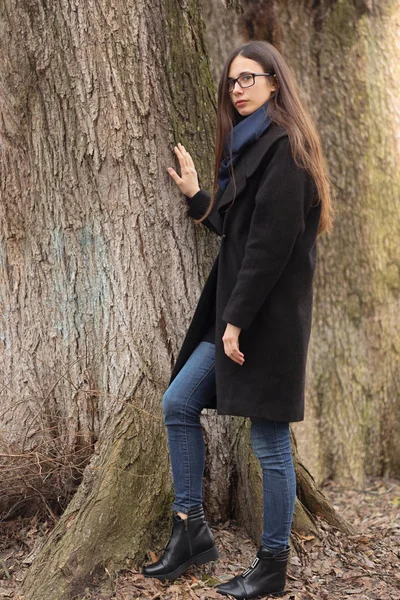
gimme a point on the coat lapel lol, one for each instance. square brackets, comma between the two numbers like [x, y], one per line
[248, 164]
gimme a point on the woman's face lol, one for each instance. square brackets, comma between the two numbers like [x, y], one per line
[247, 100]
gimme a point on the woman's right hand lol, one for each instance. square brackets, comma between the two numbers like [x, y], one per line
[187, 182]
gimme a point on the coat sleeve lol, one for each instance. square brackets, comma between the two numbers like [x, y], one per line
[198, 205]
[278, 218]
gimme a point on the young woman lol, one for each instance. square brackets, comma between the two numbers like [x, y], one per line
[246, 347]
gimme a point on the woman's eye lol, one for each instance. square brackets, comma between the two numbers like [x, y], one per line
[245, 78]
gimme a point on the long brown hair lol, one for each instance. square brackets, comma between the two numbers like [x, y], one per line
[284, 108]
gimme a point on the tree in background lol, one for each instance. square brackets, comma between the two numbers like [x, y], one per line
[346, 58]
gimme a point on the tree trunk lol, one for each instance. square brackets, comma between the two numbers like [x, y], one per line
[96, 290]
[222, 33]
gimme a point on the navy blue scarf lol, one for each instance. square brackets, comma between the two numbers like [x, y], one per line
[243, 135]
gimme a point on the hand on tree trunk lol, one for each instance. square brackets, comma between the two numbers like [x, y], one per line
[187, 182]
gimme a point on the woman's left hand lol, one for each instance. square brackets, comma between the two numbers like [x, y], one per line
[231, 343]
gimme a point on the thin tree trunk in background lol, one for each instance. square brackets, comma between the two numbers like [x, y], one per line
[222, 33]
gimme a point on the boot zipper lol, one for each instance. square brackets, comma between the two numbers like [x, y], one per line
[252, 567]
[188, 535]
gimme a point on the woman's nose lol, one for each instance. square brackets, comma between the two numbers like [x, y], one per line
[237, 88]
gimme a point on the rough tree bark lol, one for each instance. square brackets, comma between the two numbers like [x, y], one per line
[100, 267]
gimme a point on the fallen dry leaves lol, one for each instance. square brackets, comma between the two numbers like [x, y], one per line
[330, 567]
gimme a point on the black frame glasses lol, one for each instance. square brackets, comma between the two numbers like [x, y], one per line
[244, 82]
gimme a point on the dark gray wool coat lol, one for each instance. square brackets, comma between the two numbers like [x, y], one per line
[261, 281]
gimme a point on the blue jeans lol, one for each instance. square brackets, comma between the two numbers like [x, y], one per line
[183, 402]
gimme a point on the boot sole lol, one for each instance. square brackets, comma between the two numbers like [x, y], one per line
[271, 594]
[199, 559]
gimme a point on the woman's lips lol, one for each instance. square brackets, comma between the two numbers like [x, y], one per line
[240, 102]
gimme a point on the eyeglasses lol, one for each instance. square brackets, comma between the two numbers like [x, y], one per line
[246, 80]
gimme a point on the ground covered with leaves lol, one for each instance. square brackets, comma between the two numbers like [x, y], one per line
[331, 566]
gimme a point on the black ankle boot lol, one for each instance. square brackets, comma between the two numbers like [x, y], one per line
[266, 576]
[191, 543]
